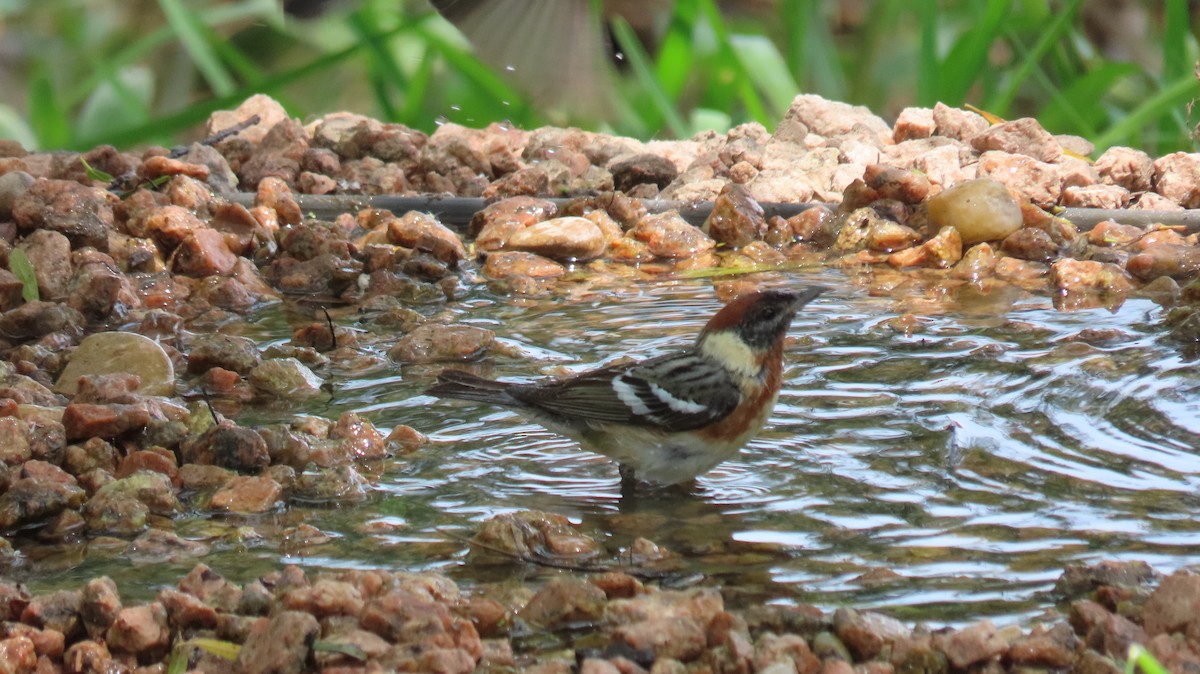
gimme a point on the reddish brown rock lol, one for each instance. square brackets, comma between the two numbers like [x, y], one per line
[680, 638]
[773, 648]
[434, 342]
[1096, 196]
[211, 588]
[1126, 167]
[517, 265]
[83, 214]
[913, 123]
[238, 354]
[519, 211]
[246, 494]
[49, 254]
[957, 123]
[228, 446]
[275, 194]
[422, 231]
[1109, 233]
[564, 603]
[99, 606]
[866, 633]
[358, 437]
[1053, 648]
[943, 250]
[324, 598]
[669, 235]
[170, 225]
[138, 629]
[278, 645]
[1038, 181]
[1165, 259]
[1174, 606]
[566, 239]
[57, 611]
[736, 218]
[18, 655]
[640, 169]
[83, 420]
[203, 253]
[1023, 136]
[186, 612]
[38, 318]
[532, 533]
[971, 645]
[1078, 276]
[29, 501]
[1177, 177]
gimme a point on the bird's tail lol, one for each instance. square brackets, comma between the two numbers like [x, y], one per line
[466, 386]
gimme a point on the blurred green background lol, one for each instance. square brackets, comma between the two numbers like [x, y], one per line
[78, 73]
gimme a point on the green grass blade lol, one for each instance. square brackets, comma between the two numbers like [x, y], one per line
[386, 72]
[14, 127]
[928, 67]
[1172, 97]
[47, 116]
[190, 30]
[1176, 24]
[766, 69]
[1073, 109]
[197, 113]
[967, 60]
[22, 268]
[676, 54]
[639, 63]
[138, 50]
[1140, 657]
[1053, 33]
[479, 75]
[727, 52]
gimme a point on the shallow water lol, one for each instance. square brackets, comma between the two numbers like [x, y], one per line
[973, 458]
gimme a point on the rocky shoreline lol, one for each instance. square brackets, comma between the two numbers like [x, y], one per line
[126, 274]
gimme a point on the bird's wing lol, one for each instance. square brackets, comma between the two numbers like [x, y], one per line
[677, 392]
[554, 49]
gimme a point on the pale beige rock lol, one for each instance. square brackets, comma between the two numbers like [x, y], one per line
[981, 210]
[120, 353]
[269, 112]
[569, 239]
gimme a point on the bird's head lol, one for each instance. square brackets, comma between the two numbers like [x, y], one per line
[750, 325]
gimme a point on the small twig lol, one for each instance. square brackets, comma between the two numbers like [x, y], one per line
[218, 136]
[332, 332]
[208, 403]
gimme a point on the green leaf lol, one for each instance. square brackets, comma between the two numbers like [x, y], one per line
[226, 650]
[766, 68]
[179, 661]
[639, 62]
[22, 268]
[967, 60]
[94, 173]
[1140, 657]
[676, 52]
[1173, 96]
[122, 101]
[191, 31]
[352, 650]
[13, 127]
[1073, 109]
[1052, 35]
[46, 114]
